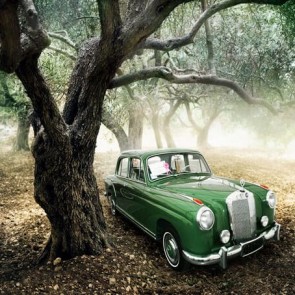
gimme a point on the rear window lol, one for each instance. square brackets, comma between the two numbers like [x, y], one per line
[123, 167]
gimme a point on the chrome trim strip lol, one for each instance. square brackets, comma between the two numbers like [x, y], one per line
[224, 253]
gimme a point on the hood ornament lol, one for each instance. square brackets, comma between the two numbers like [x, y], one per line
[242, 183]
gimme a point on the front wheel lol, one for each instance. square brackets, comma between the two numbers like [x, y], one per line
[173, 251]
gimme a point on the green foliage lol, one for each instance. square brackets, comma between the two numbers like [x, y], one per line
[57, 70]
[251, 46]
[288, 19]
[13, 100]
[253, 51]
[79, 18]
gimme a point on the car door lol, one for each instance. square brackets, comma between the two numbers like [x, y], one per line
[135, 194]
[132, 186]
[121, 184]
[129, 176]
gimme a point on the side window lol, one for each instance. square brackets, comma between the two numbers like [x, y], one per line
[197, 164]
[123, 168]
[136, 169]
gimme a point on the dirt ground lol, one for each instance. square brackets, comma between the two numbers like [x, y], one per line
[136, 264]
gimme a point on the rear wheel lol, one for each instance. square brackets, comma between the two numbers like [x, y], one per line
[173, 250]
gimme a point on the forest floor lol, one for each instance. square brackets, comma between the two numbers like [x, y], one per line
[136, 265]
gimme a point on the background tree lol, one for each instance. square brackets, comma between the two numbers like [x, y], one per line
[64, 145]
[16, 104]
[263, 65]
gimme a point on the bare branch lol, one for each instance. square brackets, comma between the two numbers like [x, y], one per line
[42, 100]
[167, 74]
[64, 39]
[156, 72]
[174, 43]
[64, 52]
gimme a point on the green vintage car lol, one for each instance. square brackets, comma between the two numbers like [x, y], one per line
[200, 219]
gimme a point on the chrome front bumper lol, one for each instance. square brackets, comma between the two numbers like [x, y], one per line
[222, 256]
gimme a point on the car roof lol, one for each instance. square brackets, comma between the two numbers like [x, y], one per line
[147, 153]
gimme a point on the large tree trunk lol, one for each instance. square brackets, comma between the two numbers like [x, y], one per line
[65, 187]
[202, 138]
[203, 133]
[64, 148]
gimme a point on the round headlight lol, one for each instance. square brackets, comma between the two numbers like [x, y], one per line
[225, 236]
[271, 199]
[264, 221]
[205, 218]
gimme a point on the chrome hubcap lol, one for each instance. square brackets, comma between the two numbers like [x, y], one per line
[171, 249]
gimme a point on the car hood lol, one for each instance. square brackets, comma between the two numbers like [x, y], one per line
[204, 188]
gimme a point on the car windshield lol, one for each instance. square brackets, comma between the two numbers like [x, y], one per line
[171, 164]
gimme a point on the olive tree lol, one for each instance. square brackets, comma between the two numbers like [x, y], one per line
[64, 145]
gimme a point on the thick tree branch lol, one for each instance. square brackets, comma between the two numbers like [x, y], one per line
[135, 7]
[43, 103]
[10, 47]
[209, 41]
[32, 40]
[110, 19]
[19, 43]
[174, 43]
[30, 14]
[167, 74]
[146, 22]
[156, 72]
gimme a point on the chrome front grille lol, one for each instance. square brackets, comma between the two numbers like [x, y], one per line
[240, 219]
[241, 207]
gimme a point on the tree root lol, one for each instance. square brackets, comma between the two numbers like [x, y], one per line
[45, 255]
